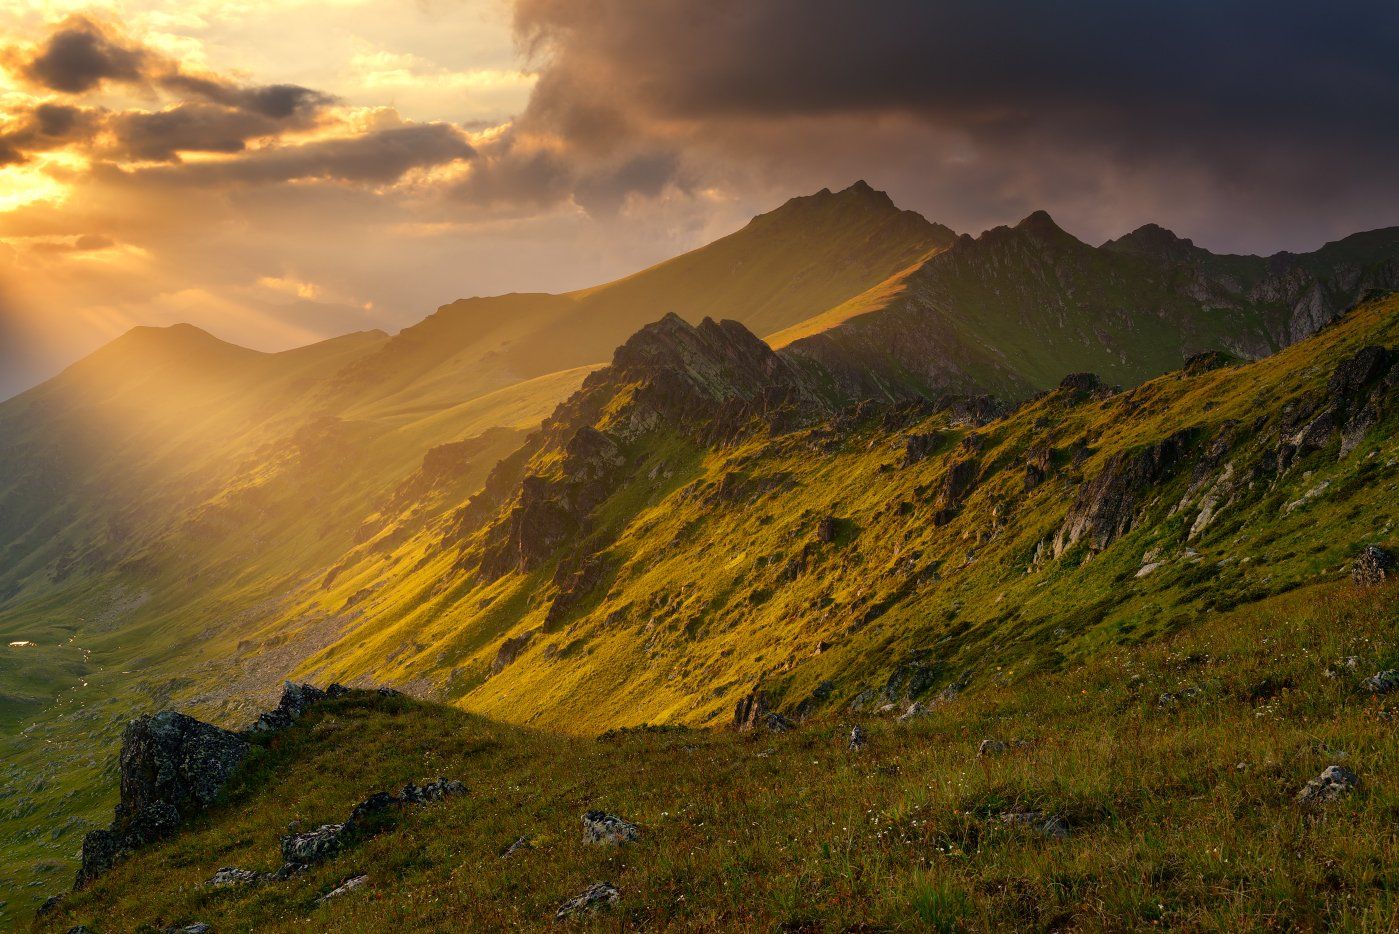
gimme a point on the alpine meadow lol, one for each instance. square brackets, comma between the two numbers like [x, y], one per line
[825, 569]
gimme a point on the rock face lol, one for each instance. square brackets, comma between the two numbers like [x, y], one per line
[707, 381]
[603, 829]
[1372, 566]
[1361, 390]
[172, 767]
[1333, 783]
[509, 650]
[596, 896]
[1105, 508]
[752, 712]
[296, 698]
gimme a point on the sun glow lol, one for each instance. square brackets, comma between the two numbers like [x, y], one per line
[21, 185]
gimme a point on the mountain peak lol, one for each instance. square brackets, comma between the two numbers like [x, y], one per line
[1154, 240]
[1039, 222]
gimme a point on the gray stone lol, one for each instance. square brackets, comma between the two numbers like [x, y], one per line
[857, 738]
[349, 885]
[990, 747]
[1372, 566]
[1049, 826]
[296, 700]
[598, 895]
[1335, 782]
[230, 877]
[1383, 682]
[605, 829]
[313, 846]
[521, 843]
[172, 767]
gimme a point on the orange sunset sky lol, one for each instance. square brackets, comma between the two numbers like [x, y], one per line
[278, 171]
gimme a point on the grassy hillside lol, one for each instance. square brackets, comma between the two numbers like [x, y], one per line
[1179, 815]
[711, 579]
[1010, 312]
[809, 255]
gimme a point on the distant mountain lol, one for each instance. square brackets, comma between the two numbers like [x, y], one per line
[484, 509]
[783, 267]
[1010, 312]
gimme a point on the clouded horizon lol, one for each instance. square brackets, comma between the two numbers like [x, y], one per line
[278, 172]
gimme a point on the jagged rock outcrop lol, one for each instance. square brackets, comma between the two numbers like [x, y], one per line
[753, 712]
[1039, 461]
[952, 489]
[1373, 566]
[708, 380]
[1360, 392]
[1106, 506]
[172, 767]
[510, 650]
[301, 850]
[576, 582]
[295, 700]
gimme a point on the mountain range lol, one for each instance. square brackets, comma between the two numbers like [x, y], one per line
[841, 460]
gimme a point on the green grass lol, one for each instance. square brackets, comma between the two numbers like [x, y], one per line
[1181, 818]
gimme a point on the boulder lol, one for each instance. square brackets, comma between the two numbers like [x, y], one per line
[1081, 382]
[753, 712]
[826, 530]
[1383, 682]
[990, 747]
[300, 850]
[596, 896]
[1333, 783]
[232, 877]
[1372, 566]
[603, 829]
[510, 650]
[857, 738]
[349, 885]
[296, 699]
[172, 767]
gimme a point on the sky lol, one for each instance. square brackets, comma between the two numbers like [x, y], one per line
[279, 171]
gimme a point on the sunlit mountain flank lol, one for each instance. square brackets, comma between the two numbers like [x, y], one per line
[893, 467]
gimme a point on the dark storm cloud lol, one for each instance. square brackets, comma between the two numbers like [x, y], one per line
[275, 101]
[81, 55]
[197, 127]
[42, 128]
[214, 114]
[374, 158]
[1277, 105]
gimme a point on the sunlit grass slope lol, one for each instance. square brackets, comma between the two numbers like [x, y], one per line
[1179, 816]
[715, 583]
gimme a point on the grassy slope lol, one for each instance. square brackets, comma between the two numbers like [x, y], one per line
[785, 266]
[1181, 817]
[697, 611]
[1016, 308]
